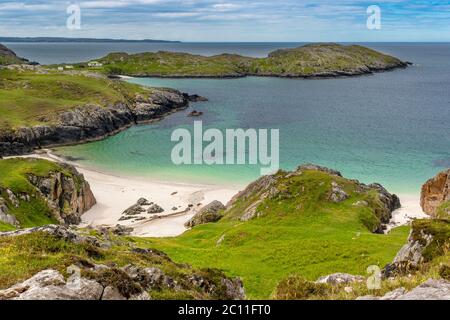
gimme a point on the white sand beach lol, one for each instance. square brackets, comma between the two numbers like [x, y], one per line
[409, 211]
[115, 194]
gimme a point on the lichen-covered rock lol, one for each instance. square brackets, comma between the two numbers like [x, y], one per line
[58, 231]
[340, 278]
[112, 294]
[428, 239]
[435, 192]
[337, 194]
[429, 290]
[50, 285]
[209, 213]
[5, 216]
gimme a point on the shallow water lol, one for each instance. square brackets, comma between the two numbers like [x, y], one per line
[392, 128]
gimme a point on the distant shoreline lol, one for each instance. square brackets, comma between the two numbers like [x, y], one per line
[78, 40]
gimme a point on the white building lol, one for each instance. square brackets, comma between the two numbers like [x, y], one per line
[94, 64]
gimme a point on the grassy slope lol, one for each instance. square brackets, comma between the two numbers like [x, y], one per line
[318, 239]
[13, 176]
[303, 61]
[29, 98]
[436, 265]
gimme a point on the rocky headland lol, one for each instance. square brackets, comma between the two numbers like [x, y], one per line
[312, 61]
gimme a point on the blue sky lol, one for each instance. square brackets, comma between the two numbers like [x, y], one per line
[230, 20]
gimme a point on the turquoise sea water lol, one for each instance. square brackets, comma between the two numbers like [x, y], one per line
[392, 128]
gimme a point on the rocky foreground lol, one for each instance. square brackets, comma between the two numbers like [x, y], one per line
[137, 274]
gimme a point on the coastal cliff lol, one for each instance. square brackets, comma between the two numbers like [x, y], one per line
[36, 192]
[91, 122]
[435, 196]
[73, 107]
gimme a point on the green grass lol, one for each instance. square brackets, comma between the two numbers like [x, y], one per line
[303, 235]
[29, 98]
[443, 212]
[13, 176]
[309, 60]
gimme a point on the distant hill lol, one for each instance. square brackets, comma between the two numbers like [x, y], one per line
[7, 57]
[60, 39]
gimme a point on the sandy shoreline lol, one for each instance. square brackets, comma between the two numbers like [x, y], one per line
[115, 194]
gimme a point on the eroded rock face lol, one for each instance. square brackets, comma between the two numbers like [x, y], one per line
[209, 213]
[429, 290]
[435, 192]
[68, 196]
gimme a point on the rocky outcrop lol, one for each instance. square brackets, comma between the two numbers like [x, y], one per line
[58, 231]
[340, 278]
[67, 195]
[429, 290]
[91, 122]
[209, 213]
[339, 190]
[50, 285]
[435, 192]
[90, 281]
[7, 56]
[427, 240]
[5, 216]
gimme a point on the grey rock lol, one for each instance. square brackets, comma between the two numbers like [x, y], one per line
[141, 296]
[310, 166]
[12, 197]
[340, 278]
[410, 255]
[112, 294]
[155, 209]
[337, 194]
[209, 213]
[429, 290]
[60, 232]
[134, 210]
[50, 285]
[143, 202]
[5, 216]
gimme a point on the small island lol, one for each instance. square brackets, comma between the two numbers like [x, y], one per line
[325, 60]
